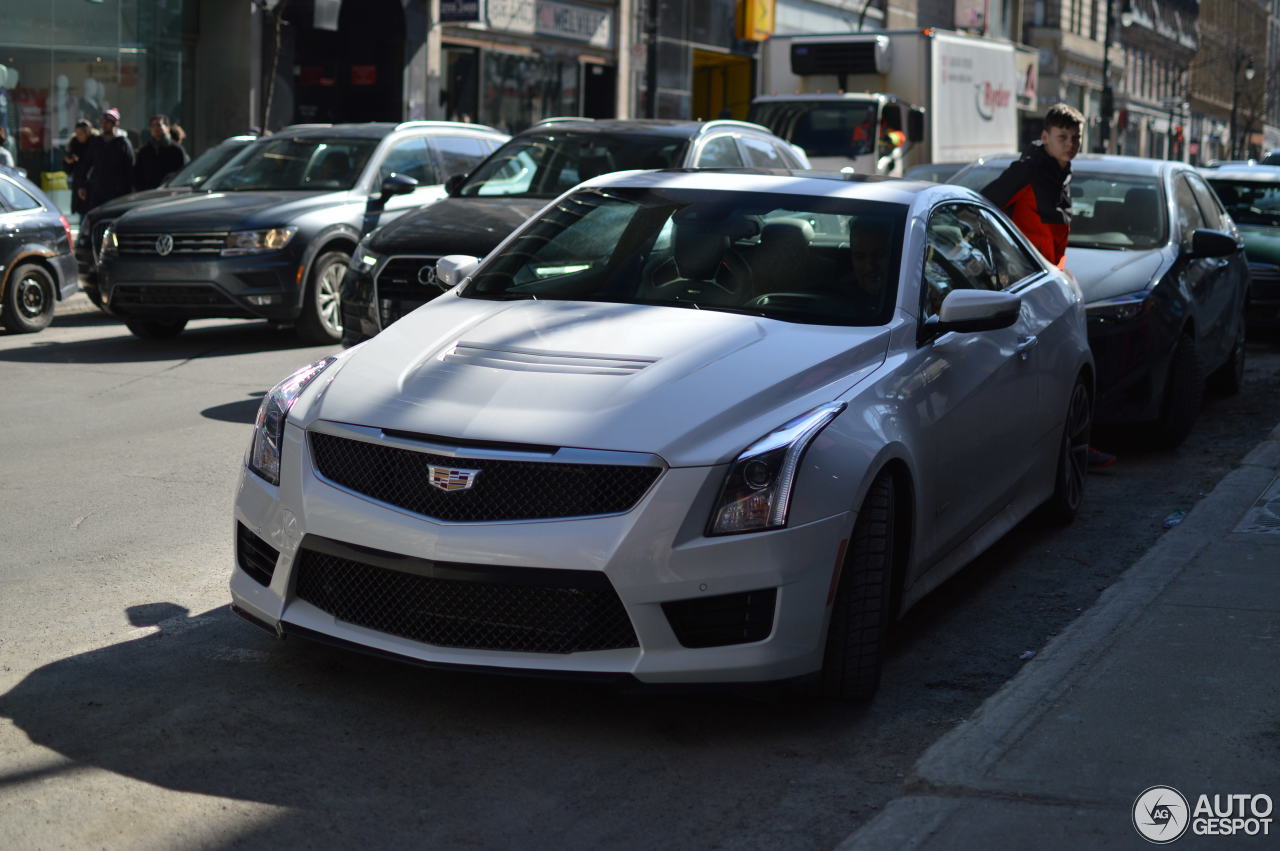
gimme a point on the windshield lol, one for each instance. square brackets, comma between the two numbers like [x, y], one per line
[795, 258]
[296, 163]
[546, 166]
[822, 129]
[1250, 203]
[207, 164]
[1117, 211]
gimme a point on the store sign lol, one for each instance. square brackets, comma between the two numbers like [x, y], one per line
[510, 15]
[1026, 62]
[572, 21]
[460, 11]
[756, 19]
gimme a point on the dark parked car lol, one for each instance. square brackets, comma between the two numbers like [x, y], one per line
[37, 268]
[393, 273]
[273, 232]
[1251, 195]
[184, 182]
[1164, 278]
[1272, 158]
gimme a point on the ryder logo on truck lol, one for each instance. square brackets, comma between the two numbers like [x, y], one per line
[990, 98]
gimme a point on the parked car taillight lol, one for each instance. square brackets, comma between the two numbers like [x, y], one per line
[66, 228]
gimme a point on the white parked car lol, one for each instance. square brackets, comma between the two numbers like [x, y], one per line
[679, 426]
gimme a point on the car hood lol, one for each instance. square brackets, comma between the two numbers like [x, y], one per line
[1261, 245]
[227, 210]
[455, 226]
[1104, 274]
[693, 386]
[125, 203]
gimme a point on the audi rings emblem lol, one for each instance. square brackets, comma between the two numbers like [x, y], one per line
[427, 275]
[164, 244]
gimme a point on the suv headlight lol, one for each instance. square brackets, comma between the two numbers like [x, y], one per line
[257, 241]
[364, 260]
[109, 242]
[1119, 309]
[757, 491]
[268, 428]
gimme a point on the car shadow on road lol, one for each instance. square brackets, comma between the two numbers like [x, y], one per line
[243, 412]
[405, 756]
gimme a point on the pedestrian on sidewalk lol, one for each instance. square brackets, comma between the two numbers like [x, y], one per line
[160, 157]
[111, 171]
[76, 162]
[6, 156]
[1034, 191]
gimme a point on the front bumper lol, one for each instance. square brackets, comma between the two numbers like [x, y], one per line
[1132, 360]
[261, 286]
[652, 555]
[1263, 307]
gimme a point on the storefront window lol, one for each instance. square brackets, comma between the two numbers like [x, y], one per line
[520, 90]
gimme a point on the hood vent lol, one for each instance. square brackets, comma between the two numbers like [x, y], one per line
[539, 360]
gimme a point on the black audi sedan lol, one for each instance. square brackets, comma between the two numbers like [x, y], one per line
[1164, 277]
[393, 272]
[37, 268]
[1251, 195]
[189, 179]
[272, 234]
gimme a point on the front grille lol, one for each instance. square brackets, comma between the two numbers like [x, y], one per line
[400, 286]
[183, 243]
[169, 295]
[723, 619]
[479, 607]
[255, 556]
[501, 490]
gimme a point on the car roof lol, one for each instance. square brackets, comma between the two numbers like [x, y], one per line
[1106, 163]
[673, 127]
[1243, 173]
[374, 129]
[892, 190]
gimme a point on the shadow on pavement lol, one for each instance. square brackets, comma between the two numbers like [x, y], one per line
[119, 346]
[243, 412]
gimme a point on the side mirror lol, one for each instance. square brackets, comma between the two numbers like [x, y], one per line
[915, 125]
[1212, 243]
[454, 184]
[453, 269]
[397, 184]
[196, 181]
[973, 310]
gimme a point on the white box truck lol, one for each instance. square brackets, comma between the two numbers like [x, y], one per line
[883, 101]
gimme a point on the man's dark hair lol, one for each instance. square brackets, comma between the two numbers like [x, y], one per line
[84, 123]
[1066, 117]
[162, 118]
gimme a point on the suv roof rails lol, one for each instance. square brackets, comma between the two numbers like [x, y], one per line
[555, 118]
[302, 126]
[403, 125]
[732, 122]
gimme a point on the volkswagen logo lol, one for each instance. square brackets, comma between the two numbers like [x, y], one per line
[427, 275]
[164, 244]
[452, 479]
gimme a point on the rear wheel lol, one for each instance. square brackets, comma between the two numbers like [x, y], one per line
[1073, 457]
[29, 300]
[321, 319]
[1182, 395]
[155, 329]
[861, 611]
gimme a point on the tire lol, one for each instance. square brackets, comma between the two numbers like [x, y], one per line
[1183, 392]
[155, 329]
[1073, 458]
[1229, 378]
[861, 612]
[321, 319]
[29, 300]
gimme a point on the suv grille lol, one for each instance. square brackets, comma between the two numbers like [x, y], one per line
[400, 288]
[521, 609]
[183, 243]
[502, 490]
[169, 295]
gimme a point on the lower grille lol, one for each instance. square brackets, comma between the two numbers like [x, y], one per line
[168, 295]
[479, 607]
[255, 556]
[723, 619]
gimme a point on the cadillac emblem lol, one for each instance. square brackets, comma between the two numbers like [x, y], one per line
[451, 479]
[164, 244]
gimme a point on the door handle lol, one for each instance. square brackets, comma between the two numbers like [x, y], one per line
[1025, 345]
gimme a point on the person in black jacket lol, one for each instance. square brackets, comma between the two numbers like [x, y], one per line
[160, 157]
[111, 167]
[76, 163]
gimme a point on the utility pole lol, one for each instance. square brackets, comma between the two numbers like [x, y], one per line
[1108, 103]
[651, 67]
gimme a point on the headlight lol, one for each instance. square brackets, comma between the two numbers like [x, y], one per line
[757, 491]
[257, 241]
[268, 428]
[1121, 308]
[109, 243]
[364, 259]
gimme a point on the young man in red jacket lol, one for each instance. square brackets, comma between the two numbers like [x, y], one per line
[1035, 193]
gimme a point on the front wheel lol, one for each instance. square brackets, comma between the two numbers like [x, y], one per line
[862, 610]
[1182, 395]
[321, 319]
[1073, 457]
[1229, 378]
[29, 300]
[155, 329]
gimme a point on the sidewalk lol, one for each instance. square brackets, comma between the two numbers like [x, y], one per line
[1171, 679]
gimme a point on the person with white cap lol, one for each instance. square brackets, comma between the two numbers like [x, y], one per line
[111, 172]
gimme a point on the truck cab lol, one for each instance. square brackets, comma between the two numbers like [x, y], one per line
[872, 133]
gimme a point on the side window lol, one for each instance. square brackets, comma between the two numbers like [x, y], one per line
[458, 154]
[1189, 217]
[1009, 258]
[511, 175]
[788, 156]
[1214, 215]
[762, 154]
[956, 255]
[720, 152]
[409, 157]
[14, 197]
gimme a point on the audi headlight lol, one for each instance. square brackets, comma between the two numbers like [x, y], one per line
[757, 491]
[1119, 309]
[257, 241]
[268, 428]
[109, 242]
[364, 260]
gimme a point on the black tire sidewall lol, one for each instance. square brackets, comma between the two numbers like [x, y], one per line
[311, 326]
[1183, 393]
[13, 316]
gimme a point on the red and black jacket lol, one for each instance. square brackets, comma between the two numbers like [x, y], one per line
[1034, 192]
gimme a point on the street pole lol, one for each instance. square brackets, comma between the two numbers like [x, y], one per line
[1107, 105]
[651, 67]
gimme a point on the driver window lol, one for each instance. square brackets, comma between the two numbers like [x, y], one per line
[512, 177]
[1189, 217]
[956, 256]
[1010, 260]
[720, 152]
[1213, 213]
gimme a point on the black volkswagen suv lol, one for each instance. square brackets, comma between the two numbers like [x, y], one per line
[393, 272]
[273, 232]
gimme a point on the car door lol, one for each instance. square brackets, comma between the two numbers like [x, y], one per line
[410, 157]
[1206, 282]
[978, 411]
[1232, 285]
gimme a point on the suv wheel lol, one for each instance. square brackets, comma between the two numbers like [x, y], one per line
[321, 319]
[29, 300]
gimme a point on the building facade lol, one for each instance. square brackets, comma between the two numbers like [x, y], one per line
[1228, 81]
[1159, 40]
